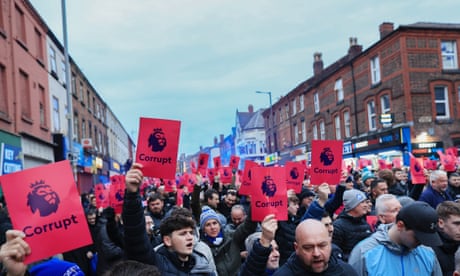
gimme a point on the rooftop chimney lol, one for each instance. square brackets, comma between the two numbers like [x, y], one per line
[354, 49]
[317, 63]
[221, 138]
[215, 140]
[250, 108]
[385, 29]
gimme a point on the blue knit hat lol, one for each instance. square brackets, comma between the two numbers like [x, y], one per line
[367, 175]
[207, 214]
[56, 267]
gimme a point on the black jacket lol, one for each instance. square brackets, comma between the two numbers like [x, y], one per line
[256, 262]
[285, 237]
[139, 248]
[294, 267]
[445, 254]
[348, 231]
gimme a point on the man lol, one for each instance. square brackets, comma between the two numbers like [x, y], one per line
[435, 193]
[263, 256]
[398, 247]
[178, 256]
[237, 216]
[313, 253]
[387, 207]
[351, 226]
[285, 235]
[225, 206]
[378, 187]
[454, 186]
[449, 231]
[401, 185]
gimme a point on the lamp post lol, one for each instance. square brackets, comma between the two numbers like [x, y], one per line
[71, 155]
[271, 116]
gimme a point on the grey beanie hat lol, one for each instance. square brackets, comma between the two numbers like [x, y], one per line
[351, 199]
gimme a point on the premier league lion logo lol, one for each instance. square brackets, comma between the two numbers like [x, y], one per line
[157, 140]
[42, 198]
[268, 187]
[327, 157]
[294, 173]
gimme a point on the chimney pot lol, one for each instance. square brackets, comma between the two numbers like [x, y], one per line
[250, 108]
[317, 64]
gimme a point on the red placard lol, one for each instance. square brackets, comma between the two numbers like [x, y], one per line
[417, 171]
[226, 175]
[217, 162]
[448, 160]
[269, 194]
[326, 161]
[245, 187]
[44, 203]
[294, 176]
[234, 162]
[117, 192]
[157, 147]
[101, 192]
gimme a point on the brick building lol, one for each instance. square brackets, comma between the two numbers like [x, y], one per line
[400, 95]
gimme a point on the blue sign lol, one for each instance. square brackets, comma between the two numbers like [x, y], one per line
[11, 159]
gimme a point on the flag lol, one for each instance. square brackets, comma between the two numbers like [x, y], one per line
[44, 203]
[157, 146]
[326, 161]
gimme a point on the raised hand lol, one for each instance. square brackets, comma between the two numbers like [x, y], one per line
[134, 178]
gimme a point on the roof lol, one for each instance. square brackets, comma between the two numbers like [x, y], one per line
[251, 120]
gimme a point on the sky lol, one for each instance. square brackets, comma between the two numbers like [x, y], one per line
[199, 61]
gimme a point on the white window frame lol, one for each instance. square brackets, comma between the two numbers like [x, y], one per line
[53, 65]
[444, 101]
[338, 130]
[385, 104]
[296, 134]
[371, 115]
[56, 114]
[316, 102]
[304, 132]
[302, 104]
[294, 107]
[63, 77]
[338, 87]
[346, 120]
[315, 131]
[322, 130]
[449, 54]
[375, 70]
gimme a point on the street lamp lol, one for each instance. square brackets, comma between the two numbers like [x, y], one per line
[271, 115]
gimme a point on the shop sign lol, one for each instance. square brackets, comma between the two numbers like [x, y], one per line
[347, 148]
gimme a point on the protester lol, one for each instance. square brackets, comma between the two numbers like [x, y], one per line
[237, 216]
[387, 207]
[285, 235]
[313, 253]
[435, 193]
[225, 205]
[178, 256]
[378, 187]
[454, 186]
[449, 231]
[351, 226]
[457, 263]
[263, 254]
[132, 268]
[398, 247]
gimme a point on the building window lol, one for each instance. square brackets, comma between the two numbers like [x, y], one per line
[88, 100]
[24, 91]
[296, 134]
[20, 25]
[286, 110]
[82, 96]
[441, 99]
[385, 104]
[294, 109]
[39, 44]
[301, 101]
[371, 116]
[64, 72]
[316, 102]
[76, 129]
[339, 90]
[90, 130]
[449, 55]
[338, 134]
[346, 121]
[2, 21]
[42, 106]
[304, 133]
[322, 130]
[83, 128]
[315, 131]
[74, 84]
[56, 115]
[53, 66]
[375, 70]
[3, 92]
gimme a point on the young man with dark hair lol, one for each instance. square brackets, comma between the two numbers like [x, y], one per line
[178, 256]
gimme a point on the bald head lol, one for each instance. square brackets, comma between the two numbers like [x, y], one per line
[313, 245]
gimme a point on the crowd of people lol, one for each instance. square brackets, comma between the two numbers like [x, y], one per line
[374, 222]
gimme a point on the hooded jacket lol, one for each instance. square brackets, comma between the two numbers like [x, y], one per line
[378, 255]
[445, 253]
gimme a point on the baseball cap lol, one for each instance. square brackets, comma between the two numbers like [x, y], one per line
[420, 217]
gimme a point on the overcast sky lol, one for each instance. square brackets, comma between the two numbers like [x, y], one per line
[198, 61]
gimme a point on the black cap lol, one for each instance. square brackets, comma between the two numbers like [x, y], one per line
[420, 217]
